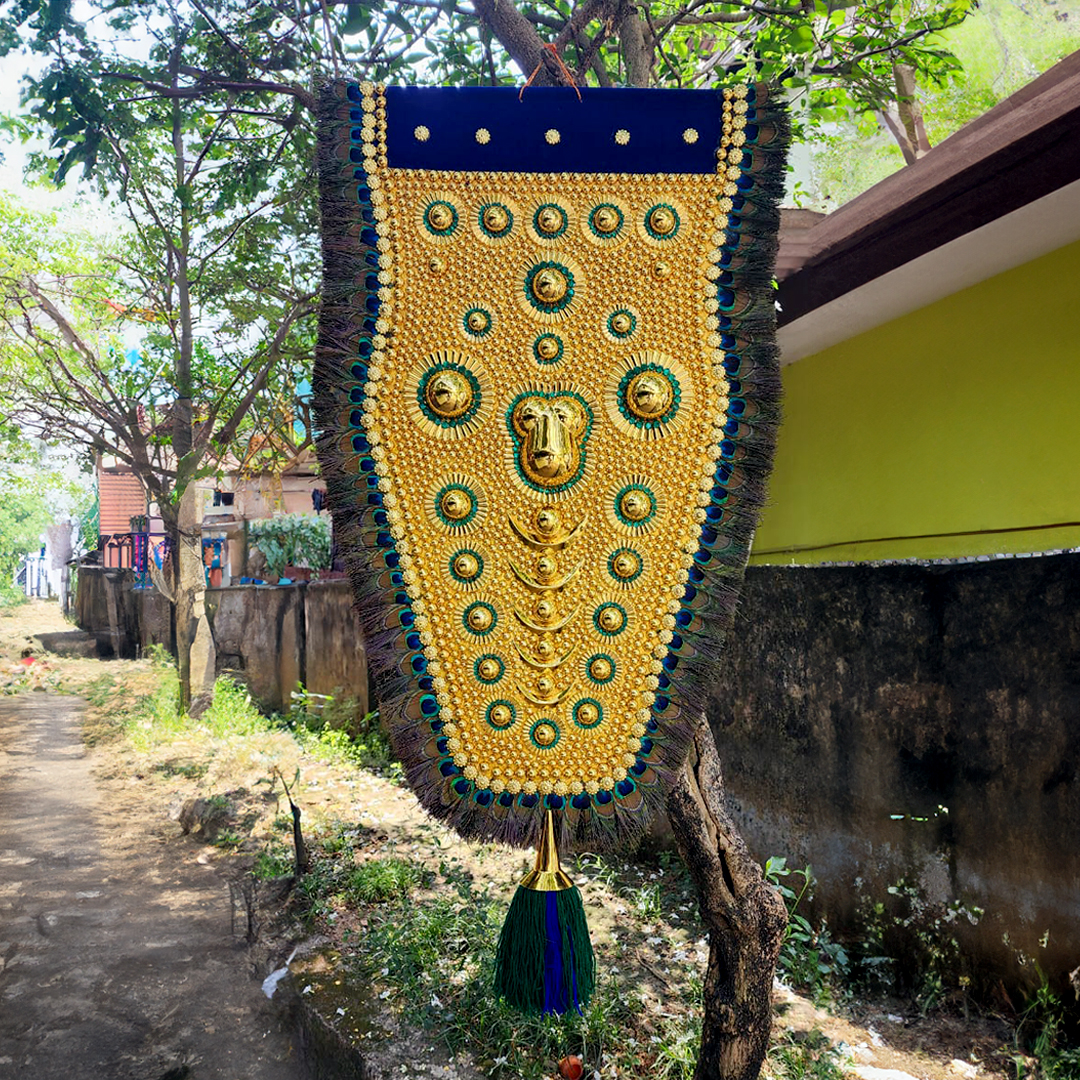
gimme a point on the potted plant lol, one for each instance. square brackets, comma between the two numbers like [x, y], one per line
[294, 545]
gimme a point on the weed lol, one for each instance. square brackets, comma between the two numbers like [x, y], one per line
[100, 690]
[188, 770]
[809, 958]
[336, 730]
[158, 655]
[1040, 1030]
[379, 880]
[232, 711]
[273, 862]
[228, 840]
[805, 1056]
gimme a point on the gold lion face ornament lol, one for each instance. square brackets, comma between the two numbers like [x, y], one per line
[546, 386]
[550, 434]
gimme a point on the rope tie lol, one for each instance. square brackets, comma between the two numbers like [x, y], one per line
[562, 67]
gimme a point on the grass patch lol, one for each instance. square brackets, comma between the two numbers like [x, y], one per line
[435, 955]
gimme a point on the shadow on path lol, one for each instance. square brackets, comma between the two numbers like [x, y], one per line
[117, 960]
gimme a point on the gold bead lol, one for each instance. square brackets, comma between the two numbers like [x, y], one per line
[549, 285]
[547, 521]
[545, 650]
[488, 669]
[456, 504]
[466, 566]
[662, 270]
[480, 618]
[634, 506]
[449, 394]
[601, 668]
[496, 219]
[605, 220]
[649, 395]
[626, 564]
[621, 323]
[545, 684]
[544, 609]
[550, 220]
[436, 265]
[440, 217]
[546, 567]
[611, 619]
[587, 713]
[477, 322]
[662, 221]
[501, 715]
[544, 734]
[547, 347]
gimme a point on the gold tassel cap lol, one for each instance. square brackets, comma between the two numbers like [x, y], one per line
[547, 875]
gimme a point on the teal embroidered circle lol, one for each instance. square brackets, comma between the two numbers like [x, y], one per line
[448, 394]
[600, 669]
[495, 220]
[621, 323]
[588, 713]
[563, 407]
[550, 221]
[635, 505]
[649, 396]
[625, 565]
[548, 349]
[662, 221]
[500, 715]
[606, 221]
[440, 218]
[545, 734]
[610, 619]
[477, 322]
[489, 669]
[466, 566]
[449, 506]
[480, 618]
[549, 286]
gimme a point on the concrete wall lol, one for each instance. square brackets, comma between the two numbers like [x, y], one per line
[335, 660]
[919, 723]
[948, 432]
[107, 606]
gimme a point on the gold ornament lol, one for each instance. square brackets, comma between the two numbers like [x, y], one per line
[635, 506]
[440, 217]
[549, 285]
[544, 734]
[605, 220]
[456, 504]
[496, 219]
[649, 395]
[662, 221]
[547, 347]
[448, 394]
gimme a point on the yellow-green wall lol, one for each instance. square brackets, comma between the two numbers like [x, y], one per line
[952, 431]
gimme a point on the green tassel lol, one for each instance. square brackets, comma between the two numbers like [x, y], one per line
[544, 961]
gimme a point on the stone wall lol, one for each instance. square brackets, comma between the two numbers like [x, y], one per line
[916, 723]
[276, 637]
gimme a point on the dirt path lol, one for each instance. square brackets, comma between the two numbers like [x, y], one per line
[117, 958]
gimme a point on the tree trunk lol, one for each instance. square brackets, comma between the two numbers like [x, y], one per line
[744, 914]
[195, 654]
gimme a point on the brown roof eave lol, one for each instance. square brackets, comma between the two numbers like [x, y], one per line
[1021, 150]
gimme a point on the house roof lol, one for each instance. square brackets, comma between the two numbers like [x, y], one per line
[1024, 150]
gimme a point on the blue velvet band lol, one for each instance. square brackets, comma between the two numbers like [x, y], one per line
[670, 131]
